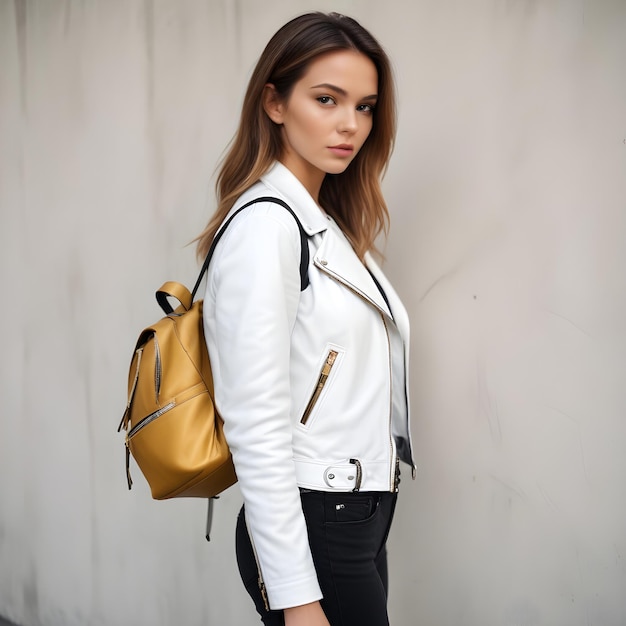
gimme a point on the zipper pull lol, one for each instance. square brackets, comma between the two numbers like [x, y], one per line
[266, 602]
[325, 373]
[330, 361]
[124, 422]
[129, 480]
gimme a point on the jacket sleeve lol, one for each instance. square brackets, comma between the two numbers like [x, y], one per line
[254, 287]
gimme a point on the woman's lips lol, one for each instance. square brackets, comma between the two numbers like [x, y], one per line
[343, 150]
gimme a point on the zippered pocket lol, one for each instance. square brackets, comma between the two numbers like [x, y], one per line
[327, 367]
[150, 418]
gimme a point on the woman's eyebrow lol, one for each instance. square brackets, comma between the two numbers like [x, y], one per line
[341, 91]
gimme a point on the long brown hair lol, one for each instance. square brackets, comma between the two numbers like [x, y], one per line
[354, 197]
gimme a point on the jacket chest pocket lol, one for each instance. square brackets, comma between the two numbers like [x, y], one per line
[327, 373]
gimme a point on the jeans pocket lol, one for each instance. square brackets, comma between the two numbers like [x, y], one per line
[351, 509]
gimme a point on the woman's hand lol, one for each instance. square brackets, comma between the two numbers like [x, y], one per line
[306, 615]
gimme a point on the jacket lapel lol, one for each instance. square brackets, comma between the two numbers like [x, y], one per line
[398, 311]
[336, 258]
[335, 255]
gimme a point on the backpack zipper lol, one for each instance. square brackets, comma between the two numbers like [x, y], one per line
[150, 418]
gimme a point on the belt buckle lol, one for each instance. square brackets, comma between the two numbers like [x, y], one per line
[359, 474]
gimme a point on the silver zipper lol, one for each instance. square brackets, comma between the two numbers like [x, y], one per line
[349, 285]
[365, 297]
[150, 418]
[321, 381]
[260, 581]
[392, 478]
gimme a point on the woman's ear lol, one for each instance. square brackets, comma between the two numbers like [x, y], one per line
[272, 104]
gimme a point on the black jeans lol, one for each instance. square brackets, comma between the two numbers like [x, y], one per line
[347, 535]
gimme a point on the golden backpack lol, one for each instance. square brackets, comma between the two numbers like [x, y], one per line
[172, 428]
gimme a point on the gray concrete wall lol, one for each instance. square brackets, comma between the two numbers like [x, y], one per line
[508, 198]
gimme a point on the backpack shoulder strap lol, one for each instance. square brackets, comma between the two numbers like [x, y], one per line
[304, 256]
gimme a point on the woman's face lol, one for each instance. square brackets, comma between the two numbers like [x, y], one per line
[327, 117]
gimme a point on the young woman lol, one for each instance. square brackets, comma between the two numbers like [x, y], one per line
[311, 384]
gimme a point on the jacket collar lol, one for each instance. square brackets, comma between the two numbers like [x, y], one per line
[335, 255]
[284, 184]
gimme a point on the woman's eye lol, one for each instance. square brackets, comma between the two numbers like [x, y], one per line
[325, 100]
[366, 108]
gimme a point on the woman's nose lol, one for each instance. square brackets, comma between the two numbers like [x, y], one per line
[348, 122]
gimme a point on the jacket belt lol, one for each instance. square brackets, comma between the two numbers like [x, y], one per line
[351, 475]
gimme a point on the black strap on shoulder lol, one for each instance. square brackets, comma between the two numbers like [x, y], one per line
[304, 256]
[382, 291]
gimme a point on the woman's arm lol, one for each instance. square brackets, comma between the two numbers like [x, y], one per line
[255, 287]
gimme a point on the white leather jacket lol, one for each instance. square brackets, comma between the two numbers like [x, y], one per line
[304, 381]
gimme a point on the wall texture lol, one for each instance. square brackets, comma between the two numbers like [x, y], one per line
[508, 198]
